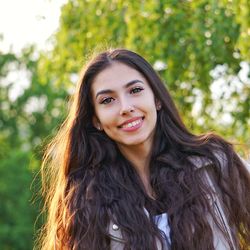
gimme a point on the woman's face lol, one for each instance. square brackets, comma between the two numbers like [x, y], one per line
[124, 105]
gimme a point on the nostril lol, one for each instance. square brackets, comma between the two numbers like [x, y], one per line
[127, 110]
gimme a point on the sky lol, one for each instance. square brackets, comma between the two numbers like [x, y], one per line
[24, 22]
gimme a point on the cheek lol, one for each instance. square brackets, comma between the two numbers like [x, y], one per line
[152, 115]
[150, 107]
[107, 117]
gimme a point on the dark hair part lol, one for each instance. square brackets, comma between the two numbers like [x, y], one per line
[88, 182]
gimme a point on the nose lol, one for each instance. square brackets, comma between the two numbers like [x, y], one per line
[126, 108]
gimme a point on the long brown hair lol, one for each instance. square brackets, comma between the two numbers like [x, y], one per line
[88, 182]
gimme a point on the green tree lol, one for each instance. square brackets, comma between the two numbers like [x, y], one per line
[27, 116]
[190, 39]
[17, 165]
[17, 211]
[200, 49]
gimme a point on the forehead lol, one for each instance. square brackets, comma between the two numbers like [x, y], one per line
[115, 76]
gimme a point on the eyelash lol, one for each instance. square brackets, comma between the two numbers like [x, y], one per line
[105, 100]
[132, 91]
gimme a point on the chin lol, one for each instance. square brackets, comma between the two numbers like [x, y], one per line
[134, 142]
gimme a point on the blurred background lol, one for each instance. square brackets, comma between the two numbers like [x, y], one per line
[201, 49]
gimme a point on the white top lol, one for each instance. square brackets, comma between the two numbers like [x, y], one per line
[161, 220]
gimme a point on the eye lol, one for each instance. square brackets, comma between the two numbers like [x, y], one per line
[136, 90]
[106, 100]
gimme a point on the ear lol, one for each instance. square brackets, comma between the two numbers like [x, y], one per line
[96, 123]
[157, 104]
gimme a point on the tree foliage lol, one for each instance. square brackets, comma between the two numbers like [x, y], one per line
[187, 39]
[17, 211]
[200, 48]
[27, 117]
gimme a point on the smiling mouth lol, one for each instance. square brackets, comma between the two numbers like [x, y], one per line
[132, 124]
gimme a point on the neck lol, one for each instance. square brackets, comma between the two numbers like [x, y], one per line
[139, 156]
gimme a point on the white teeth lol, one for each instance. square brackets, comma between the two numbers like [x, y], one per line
[131, 124]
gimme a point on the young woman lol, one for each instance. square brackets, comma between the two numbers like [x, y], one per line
[125, 173]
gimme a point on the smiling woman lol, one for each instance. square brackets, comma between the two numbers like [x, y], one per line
[121, 109]
[125, 173]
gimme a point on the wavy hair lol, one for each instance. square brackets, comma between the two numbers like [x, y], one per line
[87, 182]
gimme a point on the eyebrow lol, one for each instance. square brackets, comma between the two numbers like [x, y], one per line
[109, 91]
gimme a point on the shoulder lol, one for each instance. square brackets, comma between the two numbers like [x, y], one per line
[246, 164]
[221, 157]
[218, 216]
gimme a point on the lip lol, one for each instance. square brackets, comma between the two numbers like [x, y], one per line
[131, 120]
[133, 128]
